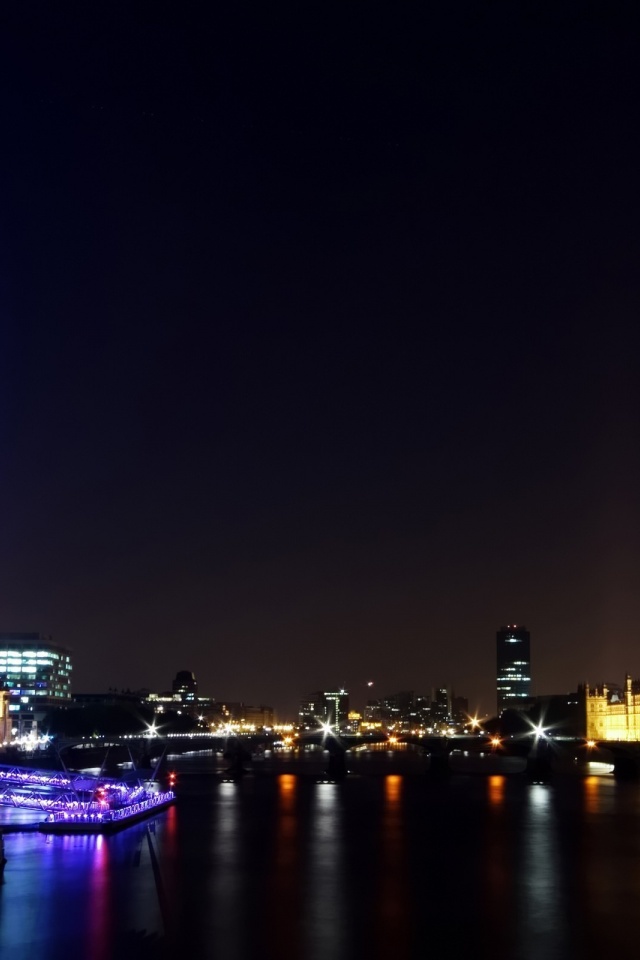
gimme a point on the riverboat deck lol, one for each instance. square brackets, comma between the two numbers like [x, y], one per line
[107, 821]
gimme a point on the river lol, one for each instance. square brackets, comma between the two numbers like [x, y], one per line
[386, 864]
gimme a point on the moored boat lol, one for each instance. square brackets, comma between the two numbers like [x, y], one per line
[106, 820]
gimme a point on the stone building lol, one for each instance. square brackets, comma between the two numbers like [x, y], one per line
[613, 714]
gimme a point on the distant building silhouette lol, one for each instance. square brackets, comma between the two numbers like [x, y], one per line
[441, 705]
[459, 709]
[186, 685]
[513, 662]
[311, 712]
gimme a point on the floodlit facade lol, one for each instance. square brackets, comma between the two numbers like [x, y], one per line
[36, 675]
[513, 662]
[5, 722]
[613, 714]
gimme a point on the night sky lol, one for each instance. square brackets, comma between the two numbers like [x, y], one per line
[320, 342]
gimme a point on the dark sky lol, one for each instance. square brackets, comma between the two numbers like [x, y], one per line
[320, 342]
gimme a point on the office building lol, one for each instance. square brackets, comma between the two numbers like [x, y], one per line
[311, 712]
[336, 708]
[36, 673]
[513, 662]
[441, 705]
[329, 706]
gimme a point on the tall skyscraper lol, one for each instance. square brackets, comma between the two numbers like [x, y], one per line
[513, 660]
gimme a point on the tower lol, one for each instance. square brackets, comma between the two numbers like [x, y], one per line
[513, 662]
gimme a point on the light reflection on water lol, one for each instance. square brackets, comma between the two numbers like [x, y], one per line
[325, 923]
[495, 884]
[542, 912]
[393, 902]
[225, 879]
[284, 906]
[99, 933]
[284, 867]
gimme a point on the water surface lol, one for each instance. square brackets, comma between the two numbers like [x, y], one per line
[382, 865]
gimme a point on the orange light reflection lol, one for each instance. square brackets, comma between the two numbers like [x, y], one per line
[284, 907]
[591, 789]
[394, 902]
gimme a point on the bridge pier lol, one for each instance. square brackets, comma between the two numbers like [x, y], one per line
[237, 755]
[539, 763]
[337, 766]
[438, 765]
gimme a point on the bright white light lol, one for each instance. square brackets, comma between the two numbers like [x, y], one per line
[326, 728]
[540, 731]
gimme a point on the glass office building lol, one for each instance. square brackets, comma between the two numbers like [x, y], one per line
[513, 657]
[36, 673]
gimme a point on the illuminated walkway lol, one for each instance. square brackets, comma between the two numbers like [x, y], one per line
[56, 791]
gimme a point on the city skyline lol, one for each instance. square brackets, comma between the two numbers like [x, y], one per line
[319, 353]
[361, 691]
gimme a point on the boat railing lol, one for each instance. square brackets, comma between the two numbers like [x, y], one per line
[97, 813]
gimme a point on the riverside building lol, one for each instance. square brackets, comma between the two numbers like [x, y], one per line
[36, 675]
[613, 714]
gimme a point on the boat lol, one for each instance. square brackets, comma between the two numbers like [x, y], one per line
[86, 818]
[84, 803]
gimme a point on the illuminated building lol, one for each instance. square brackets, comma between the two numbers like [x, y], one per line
[330, 707]
[613, 714]
[247, 715]
[513, 662]
[36, 673]
[336, 708]
[355, 721]
[5, 721]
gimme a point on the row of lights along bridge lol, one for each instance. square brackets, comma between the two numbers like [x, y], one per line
[35, 684]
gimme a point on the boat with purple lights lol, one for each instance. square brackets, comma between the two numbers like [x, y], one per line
[91, 818]
[75, 802]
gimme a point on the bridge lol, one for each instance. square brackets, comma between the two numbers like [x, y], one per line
[541, 752]
[535, 750]
[55, 791]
